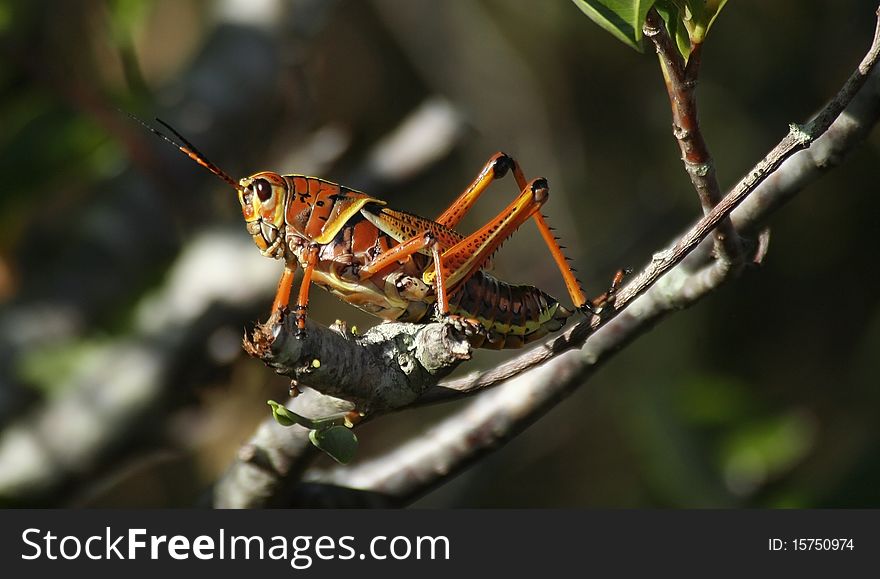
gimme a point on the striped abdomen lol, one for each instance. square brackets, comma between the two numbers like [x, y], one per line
[513, 315]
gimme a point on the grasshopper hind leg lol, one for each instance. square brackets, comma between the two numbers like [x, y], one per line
[600, 304]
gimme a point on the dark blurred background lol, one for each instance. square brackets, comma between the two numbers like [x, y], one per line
[127, 279]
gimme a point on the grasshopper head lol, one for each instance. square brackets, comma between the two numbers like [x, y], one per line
[262, 203]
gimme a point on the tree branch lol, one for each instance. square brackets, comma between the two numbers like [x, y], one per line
[389, 367]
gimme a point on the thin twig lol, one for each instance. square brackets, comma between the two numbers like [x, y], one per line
[681, 85]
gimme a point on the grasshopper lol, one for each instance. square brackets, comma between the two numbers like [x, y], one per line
[399, 266]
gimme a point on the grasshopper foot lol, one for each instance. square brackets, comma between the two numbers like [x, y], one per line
[605, 301]
[588, 309]
[300, 320]
[469, 327]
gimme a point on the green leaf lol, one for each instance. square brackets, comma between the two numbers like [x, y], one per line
[703, 15]
[671, 13]
[622, 18]
[337, 441]
[713, 9]
[285, 417]
[330, 434]
[126, 16]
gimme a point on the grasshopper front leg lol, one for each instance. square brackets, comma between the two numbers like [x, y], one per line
[282, 294]
[302, 300]
[285, 285]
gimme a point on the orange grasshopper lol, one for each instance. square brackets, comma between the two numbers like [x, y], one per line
[396, 265]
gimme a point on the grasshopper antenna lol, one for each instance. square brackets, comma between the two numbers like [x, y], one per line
[186, 148]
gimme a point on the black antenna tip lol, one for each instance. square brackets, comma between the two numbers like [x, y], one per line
[187, 148]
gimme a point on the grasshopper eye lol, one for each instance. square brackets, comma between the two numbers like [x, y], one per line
[263, 189]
